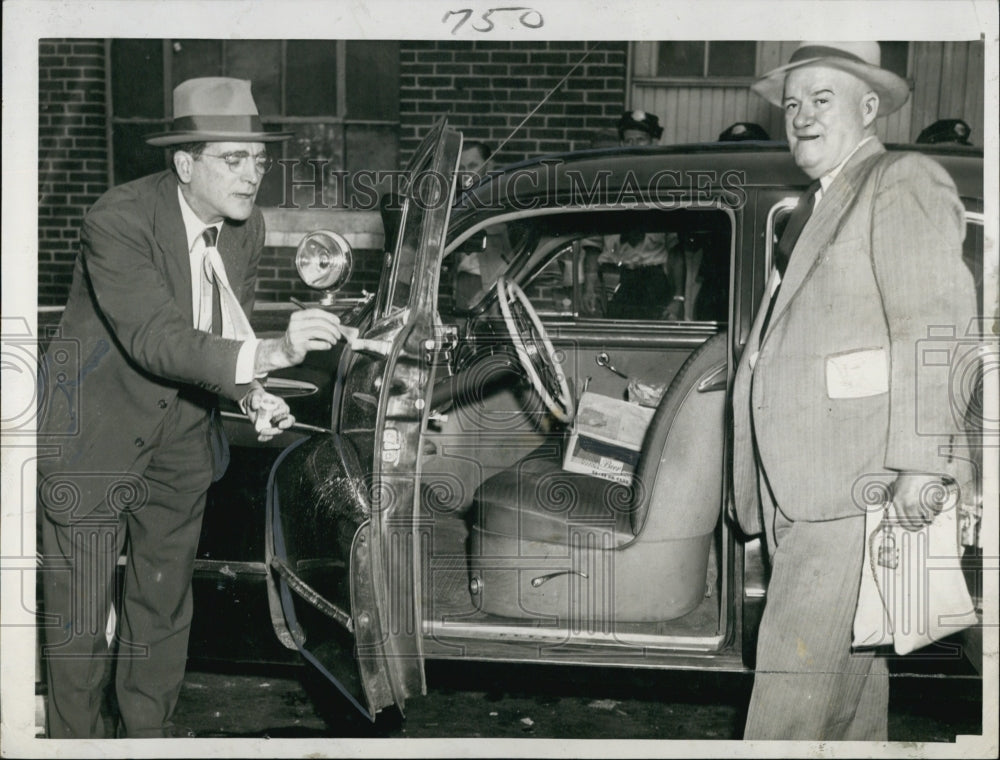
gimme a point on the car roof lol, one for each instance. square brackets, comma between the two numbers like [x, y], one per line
[546, 180]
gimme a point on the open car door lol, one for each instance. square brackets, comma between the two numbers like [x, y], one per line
[344, 576]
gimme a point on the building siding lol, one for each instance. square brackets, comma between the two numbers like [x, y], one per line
[946, 83]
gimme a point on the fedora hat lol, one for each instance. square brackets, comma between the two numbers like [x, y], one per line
[215, 109]
[862, 59]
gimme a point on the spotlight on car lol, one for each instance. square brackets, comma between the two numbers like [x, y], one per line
[324, 261]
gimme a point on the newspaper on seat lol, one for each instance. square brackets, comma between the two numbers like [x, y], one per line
[606, 437]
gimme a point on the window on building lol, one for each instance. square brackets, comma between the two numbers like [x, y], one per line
[338, 96]
[723, 61]
[896, 57]
[705, 60]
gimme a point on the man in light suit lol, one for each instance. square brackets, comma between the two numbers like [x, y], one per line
[155, 328]
[825, 400]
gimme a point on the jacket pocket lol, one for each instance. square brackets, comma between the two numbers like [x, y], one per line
[857, 374]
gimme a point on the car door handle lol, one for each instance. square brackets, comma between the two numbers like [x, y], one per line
[603, 360]
[542, 579]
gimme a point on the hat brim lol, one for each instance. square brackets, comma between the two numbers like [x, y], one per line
[162, 139]
[892, 89]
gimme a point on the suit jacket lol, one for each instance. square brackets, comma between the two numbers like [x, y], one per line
[838, 395]
[126, 347]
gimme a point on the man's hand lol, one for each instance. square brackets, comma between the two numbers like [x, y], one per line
[269, 414]
[308, 330]
[674, 311]
[919, 497]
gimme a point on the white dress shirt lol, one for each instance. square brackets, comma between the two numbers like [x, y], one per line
[827, 179]
[194, 227]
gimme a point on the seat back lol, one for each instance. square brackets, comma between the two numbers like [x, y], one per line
[678, 483]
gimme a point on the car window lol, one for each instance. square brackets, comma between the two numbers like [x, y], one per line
[635, 264]
[471, 270]
[423, 215]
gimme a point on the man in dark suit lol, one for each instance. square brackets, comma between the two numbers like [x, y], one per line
[829, 396]
[155, 328]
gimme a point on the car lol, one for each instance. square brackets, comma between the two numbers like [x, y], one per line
[502, 467]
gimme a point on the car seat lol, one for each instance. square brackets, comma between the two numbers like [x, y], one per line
[574, 549]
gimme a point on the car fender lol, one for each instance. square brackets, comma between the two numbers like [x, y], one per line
[316, 476]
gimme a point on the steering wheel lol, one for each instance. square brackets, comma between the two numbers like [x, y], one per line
[535, 350]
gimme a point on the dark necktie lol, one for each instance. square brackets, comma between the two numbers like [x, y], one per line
[790, 236]
[797, 221]
[228, 317]
[210, 314]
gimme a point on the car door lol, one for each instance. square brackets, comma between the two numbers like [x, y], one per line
[341, 525]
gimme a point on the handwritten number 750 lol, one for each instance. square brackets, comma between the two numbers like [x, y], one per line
[530, 18]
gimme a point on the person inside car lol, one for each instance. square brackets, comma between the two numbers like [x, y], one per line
[650, 264]
[475, 155]
[486, 256]
[706, 276]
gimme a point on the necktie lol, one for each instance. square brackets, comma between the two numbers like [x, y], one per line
[803, 210]
[235, 324]
[789, 237]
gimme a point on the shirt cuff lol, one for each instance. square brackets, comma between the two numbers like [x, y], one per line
[245, 361]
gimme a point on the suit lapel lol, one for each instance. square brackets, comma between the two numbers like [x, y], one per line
[171, 236]
[822, 226]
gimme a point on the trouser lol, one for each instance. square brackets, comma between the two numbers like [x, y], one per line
[808, 684]
[643, 293]
[160, 535]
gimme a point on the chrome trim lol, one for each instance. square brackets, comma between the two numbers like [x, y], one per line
[784, 203]
[717, 380]
[224, 567]
[311, 595]
[287, 387]
[564, 636]
[754, 579]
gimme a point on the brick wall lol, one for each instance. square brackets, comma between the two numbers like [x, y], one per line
[72, 155]
[487, 88]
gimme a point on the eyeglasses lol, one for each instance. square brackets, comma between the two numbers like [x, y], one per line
[236, 160]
